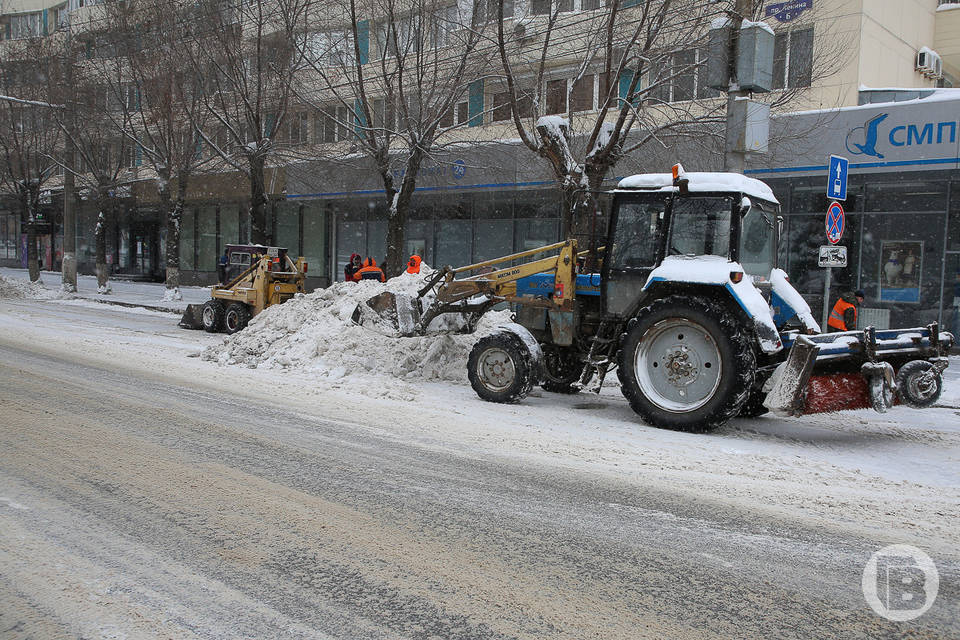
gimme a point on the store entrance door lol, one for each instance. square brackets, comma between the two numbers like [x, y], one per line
[144, 257]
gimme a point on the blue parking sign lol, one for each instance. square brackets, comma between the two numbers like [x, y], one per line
[837, 178]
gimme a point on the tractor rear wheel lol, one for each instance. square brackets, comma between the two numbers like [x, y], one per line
[236, 317]
[212, 316]
[500, 368]
[686, 364]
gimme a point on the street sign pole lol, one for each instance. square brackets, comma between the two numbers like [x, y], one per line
[826, 298]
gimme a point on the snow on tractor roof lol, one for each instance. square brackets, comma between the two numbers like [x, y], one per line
[702, 181]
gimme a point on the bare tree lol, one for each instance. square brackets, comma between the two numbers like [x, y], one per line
[389, 86]
[102, 153]
[246, 57]
[162, 108]
[28, 133]
[645, 60]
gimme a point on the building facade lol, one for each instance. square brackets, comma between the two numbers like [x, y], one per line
[483, 197]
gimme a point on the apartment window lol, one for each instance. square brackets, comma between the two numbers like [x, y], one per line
[501, 107]
[345, 120]
[463, 112]
[493, 9]
[679, 78]
[330, 48]
[545, 7]
[383, 114]
[61, 17]
[445, 23]
[400, 37]
[556, 96]
[298, 128]
[793, 59]
[581, 96]
[25, 25]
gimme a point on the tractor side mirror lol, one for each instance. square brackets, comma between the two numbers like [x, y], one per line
[745, 206]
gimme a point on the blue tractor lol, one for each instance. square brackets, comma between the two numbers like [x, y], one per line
[688, 305]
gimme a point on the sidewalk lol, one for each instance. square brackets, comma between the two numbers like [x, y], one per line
[148, 295]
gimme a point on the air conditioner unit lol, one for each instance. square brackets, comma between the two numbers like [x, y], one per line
[929, 63]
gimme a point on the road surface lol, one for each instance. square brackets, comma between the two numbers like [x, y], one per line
[134, 504]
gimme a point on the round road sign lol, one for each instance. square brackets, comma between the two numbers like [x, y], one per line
[836, 222]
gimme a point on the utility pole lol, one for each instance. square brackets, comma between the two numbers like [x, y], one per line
[734, 160]
[68, 268]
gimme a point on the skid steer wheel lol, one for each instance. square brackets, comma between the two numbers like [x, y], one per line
[212, 316]
[236, 317]
[500, 369]
[686, 364]
[918, 385]
[561, 370]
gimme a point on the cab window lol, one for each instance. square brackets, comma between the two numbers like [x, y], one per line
[700, 226]
[635, 239]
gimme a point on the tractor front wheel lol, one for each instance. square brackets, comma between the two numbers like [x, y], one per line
[236, 317]
[211, 316]
[686, 363]
[500, 368]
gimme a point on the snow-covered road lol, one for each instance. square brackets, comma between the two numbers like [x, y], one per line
[567, 517]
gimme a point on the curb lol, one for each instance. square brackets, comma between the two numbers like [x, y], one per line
[134, 305]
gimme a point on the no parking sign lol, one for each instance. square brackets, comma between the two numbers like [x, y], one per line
[836, 222]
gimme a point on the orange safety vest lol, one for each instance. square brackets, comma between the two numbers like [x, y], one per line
[836, 316]
[370, 271]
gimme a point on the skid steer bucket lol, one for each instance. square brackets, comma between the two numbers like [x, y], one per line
[192, 317]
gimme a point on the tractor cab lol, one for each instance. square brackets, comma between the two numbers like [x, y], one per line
[706, 220]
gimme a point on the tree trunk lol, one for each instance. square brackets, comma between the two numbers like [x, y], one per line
[174, 209]
[397, 220]
[100, 235]
[259, 229]
[68, 265]
[30, 227]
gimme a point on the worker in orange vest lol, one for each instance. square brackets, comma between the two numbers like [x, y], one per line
[369, 271]
[413, 264]
[844, 314]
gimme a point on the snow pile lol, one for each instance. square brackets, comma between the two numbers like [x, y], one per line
[16, 288]
[316, 332]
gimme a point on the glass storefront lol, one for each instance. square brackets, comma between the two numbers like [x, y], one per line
[896, 235]
[455, 229]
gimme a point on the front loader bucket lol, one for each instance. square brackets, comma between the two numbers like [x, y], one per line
[192, 317]
[396, 310]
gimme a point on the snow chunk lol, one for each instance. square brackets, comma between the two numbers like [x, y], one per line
[948, 6]
[16, 288]
[316, 332]
[747, 24]
[702, 181]
[783, 288]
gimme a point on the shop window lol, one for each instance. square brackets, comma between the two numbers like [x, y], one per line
[187, 239]
[287, 233]
[419, 239]
[951, 294]
[494, 238]
[229, 225]
[907, 197]
[901, 263]
[351, 238]
[454, 240]
[207, 238]
[377, 241]
[534, 233]
[315, 238]
[953, 220]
